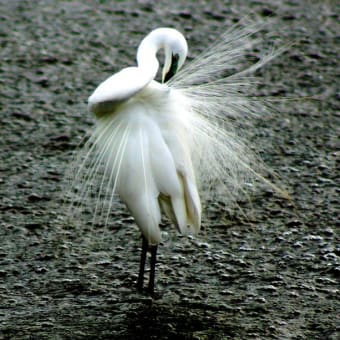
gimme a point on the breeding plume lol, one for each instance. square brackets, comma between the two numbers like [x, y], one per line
[157, 145]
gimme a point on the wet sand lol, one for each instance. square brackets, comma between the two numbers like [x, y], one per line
[273, 275]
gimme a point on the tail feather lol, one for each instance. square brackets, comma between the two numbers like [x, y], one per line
[192, 202]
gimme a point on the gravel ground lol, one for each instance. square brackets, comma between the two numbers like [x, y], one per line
[273, 275]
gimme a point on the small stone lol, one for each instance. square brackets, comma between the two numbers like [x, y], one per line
[268, 288]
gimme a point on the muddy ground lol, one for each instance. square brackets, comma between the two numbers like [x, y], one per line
[273, 275]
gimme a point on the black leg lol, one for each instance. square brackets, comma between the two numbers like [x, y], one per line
[153, 251]
[142, 264]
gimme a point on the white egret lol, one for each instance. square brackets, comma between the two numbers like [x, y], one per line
[155, 144]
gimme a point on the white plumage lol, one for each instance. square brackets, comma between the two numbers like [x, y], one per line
[146, 150]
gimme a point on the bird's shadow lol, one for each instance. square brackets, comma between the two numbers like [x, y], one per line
[158, 320]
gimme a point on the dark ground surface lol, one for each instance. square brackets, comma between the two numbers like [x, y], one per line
[272, 276]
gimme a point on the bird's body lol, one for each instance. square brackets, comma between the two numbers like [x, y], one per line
[149, 162]
[155, 144]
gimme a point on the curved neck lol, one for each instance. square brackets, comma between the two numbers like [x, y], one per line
[146, 57]
[131, 80]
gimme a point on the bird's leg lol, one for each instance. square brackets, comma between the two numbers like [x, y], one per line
[142, 264]
[153, 251]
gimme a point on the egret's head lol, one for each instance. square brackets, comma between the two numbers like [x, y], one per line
[176, 50]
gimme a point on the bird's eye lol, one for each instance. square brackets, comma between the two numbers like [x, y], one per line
[173, 67]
